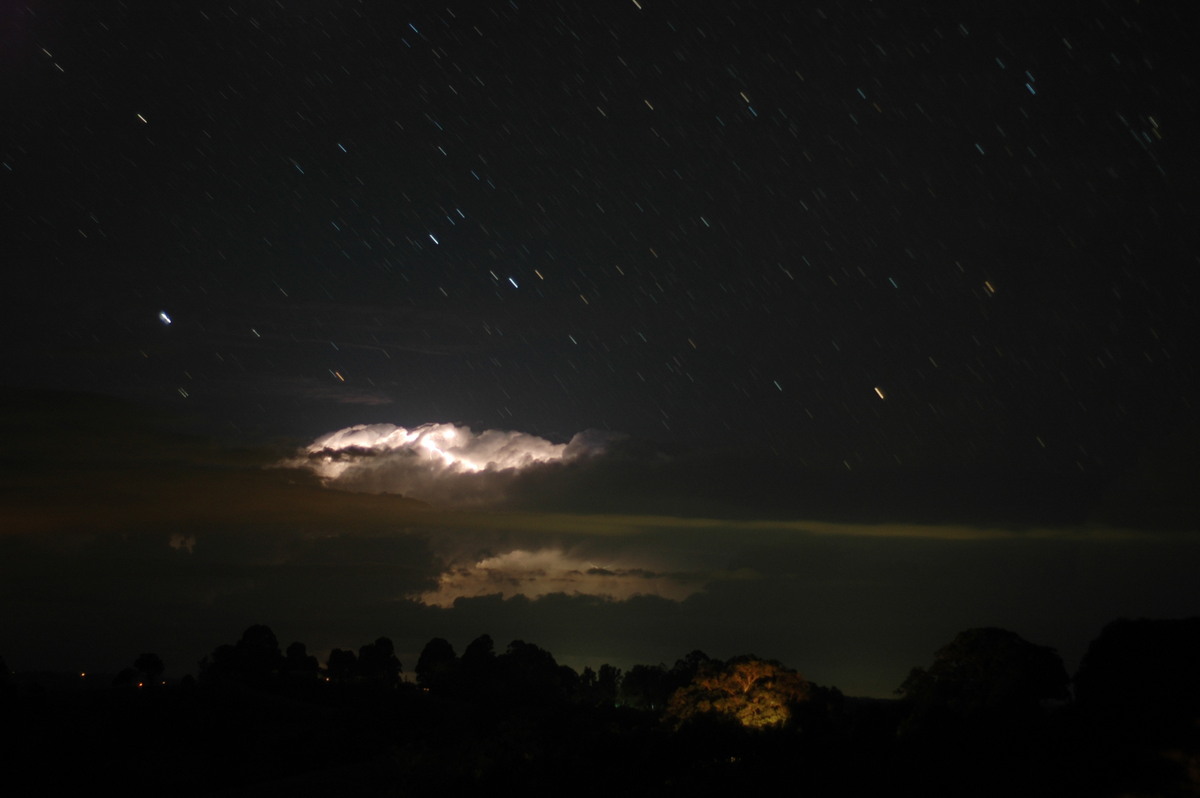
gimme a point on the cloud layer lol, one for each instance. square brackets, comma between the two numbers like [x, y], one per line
[437, 463]
[539, 572]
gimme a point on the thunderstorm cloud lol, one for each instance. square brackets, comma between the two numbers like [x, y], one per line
[540, 572]
[438, 463]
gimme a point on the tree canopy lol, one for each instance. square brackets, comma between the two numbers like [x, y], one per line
[756, 693]
[985, 671]
[1143, 672]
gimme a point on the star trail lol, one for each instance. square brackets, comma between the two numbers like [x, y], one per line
[830, 261]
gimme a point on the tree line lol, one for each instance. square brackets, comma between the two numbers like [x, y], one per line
[990, 714]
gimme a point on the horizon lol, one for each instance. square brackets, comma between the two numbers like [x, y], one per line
[224, 536]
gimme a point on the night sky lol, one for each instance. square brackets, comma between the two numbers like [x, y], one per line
[877, 321]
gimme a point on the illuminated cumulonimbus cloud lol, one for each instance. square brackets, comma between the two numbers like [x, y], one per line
[440, 463]
[535, 573]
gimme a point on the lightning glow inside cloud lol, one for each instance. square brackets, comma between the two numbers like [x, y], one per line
[438, 463]
[541, 572]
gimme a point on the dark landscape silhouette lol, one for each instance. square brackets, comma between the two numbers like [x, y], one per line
[990, 714]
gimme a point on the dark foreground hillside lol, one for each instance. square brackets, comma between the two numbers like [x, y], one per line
[991, 715]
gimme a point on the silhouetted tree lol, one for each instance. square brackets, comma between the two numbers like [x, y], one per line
[299, 663]
[478, 671]
[254, 659]
[151, 668]
[342, 665]
[685, 669]
[984, 673]
[1138, 692]
[1143, 674]
[126, 677]
[599, 688]
[531, 674]
[480, 652]
[646, 687]
[436, 665]
[377, 662]
[608, 681]
[259, 653]
[219, 664]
